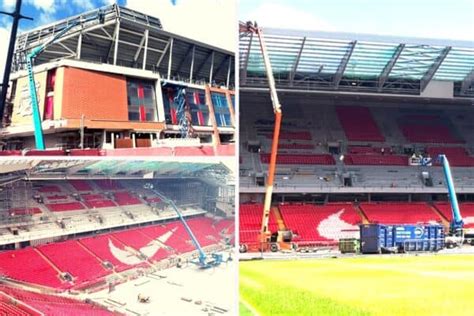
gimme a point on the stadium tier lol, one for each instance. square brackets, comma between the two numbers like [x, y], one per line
[84, 258]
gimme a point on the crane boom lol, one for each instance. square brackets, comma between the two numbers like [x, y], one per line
[457, 221]
[253, 28]
[39, 138]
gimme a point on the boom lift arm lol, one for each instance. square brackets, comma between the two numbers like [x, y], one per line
[250, 27]
[39, 139]
[203, 260]
[456, 224]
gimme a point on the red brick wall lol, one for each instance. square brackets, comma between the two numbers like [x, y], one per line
[98, 96]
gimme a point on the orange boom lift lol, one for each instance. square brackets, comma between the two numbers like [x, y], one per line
[265, 234]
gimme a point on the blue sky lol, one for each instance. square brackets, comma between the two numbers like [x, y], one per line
[445, 19]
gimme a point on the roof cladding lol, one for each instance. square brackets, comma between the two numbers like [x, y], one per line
[343, 61]
[141, 40]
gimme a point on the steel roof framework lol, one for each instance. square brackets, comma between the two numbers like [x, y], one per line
[132, 39]
[306, 61]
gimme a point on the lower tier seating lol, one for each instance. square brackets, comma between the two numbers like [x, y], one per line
[399, 213]
[467, 212]
[321, 223]
[250, 219]
[317, 159]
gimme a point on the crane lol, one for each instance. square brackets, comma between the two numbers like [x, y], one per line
[203, 261]
[250, 27]
[30, 57]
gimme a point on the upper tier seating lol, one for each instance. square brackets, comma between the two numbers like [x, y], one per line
[108, 185]
[25, 211]
[125, 198]
[295, 146]
[457, 156]
[319, 159]
[63, 207]
[289, 135]
[320, 223]
[53, 305]
[358, 124]
[81, 185]
[49, 189]
[399, 213]
[427, 129]
[467, 212]
[376, 159]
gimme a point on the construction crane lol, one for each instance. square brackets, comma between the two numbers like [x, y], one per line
[250, 27]
[204, 262]
[35, 52]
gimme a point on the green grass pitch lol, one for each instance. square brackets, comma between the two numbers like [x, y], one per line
[378, 285]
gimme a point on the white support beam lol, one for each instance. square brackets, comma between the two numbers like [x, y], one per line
[79, 46]
[429, 74]
[192, 65]
[389, 66]
[229, 71]
[297, 61]
[139, 49]
[158, 63]
[212, 67]
[343, 65]
[243, 72]
[145, 52]
[117, 38]
[170, 59]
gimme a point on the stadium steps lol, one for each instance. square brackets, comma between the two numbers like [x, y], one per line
[48, 261]
[279, 218]
[362, 215]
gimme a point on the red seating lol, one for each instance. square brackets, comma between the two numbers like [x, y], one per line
[226, 150]
[250, 219]
[295, 146]
[80, 185]
[49, 188]
[304, 135]
[99, 203]
[56, 197]
[86, 152]
[358, 124]
[70, 257]
[64, 207]
[376, 159]
[48, 152]
[399, 213]
[108, 184]
[28, 266]
[320, 159]
[9, 309]
[320, 223]
[125, 198]
[100, 246]
[194, 151]
[428, 132]
[25, 211]
[53, 305]
[94, 196]
[368, 150]
[457, 156]
[10, 152]
[467, 212]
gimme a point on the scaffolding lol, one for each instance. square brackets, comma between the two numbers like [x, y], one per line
[15, 203]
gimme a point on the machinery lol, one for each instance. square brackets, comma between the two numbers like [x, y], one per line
[39, 139]
[204, 262]
[266, 240]
[456, 232]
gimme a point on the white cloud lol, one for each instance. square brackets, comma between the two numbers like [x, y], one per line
[85, 5]
[287, 17]
[8, 4]
[108, 2]
[209, 21]
[44, 5]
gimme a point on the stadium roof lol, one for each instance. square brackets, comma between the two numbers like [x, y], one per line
[357, 62]
[132, 39]
[107, 168]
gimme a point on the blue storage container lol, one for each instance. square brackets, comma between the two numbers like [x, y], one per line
[378, 238]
